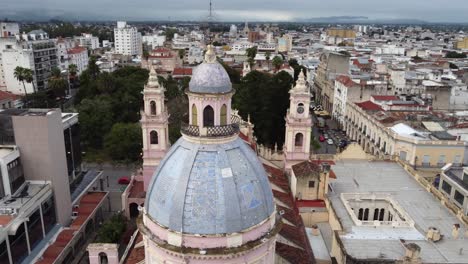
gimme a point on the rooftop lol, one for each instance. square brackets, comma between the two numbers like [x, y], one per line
[370, 242]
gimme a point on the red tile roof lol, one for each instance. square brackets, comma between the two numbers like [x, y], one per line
[306, 169]
[5, 219]
[136, 255]
[182, 71]
[346, 81]
[292, 254]
[137, 190]
[161, 50]
[76, 50]
[8, 96]
[369, 106]
[385, 97]
[310, 203]
[87, 205]
[295, 234]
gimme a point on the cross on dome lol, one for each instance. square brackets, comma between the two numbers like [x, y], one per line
[210, 55]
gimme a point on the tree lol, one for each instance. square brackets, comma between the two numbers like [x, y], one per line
[181, 54]
[57, 83]
[455, 55]
[93, 68]
[277, 62]
[124, 142]
[293, 63]
[73, 70]
[265, 98]
[96, 119]
[19, 74]
[112, 230]
[29, 77]
[251, 53]
[170, 33]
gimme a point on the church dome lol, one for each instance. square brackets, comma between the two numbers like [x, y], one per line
[209, 189]
[210, 76]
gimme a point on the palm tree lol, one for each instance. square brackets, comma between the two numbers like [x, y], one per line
[277, 62]
[29, 78]
[19, 75]
[72, 69]
[57, 83]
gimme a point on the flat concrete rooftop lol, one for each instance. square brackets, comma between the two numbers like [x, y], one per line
[368, 242]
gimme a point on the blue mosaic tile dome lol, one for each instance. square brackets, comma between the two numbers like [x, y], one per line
[209, 189]
[210, 78]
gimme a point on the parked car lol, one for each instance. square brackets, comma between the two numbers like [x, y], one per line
[330, 141]
[321, 138]
[326, 136]
[124, 180]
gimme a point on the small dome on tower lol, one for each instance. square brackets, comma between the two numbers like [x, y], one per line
[210, 76]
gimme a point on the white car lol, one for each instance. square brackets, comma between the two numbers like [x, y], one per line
[330, 141]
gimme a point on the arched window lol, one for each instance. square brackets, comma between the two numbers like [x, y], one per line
[194, 115]
[208, 116]
[366, 214]
[223, 119]
[154, 138]
[376, 214]
[103, 258]
[382, 214]
[361, 211]
[153, 107]
[298, 141]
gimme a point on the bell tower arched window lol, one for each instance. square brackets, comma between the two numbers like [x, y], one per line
[208, 116]
[153, 107]
[223, 119]
[298, 141]
[194, 115]
[154, 140]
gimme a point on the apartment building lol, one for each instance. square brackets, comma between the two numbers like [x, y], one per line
[127, 40]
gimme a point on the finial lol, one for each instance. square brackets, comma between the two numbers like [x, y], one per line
[153, 78]
[210, 55]
[248, 118]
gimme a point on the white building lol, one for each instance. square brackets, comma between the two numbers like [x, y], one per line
[195, 55]
[8, 29]
[344, 88]
[79, 57]
[88, 41]
[12, 55]
[154, 40]
[127, 39]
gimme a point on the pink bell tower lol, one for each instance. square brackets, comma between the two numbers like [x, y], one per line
[154, 126]
[298, 124]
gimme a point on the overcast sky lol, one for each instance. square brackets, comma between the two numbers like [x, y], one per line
[239, 10]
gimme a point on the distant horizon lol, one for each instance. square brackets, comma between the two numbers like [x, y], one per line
[428, 11]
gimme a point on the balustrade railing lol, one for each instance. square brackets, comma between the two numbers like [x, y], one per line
[210, 131]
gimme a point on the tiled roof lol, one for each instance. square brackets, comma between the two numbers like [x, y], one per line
[76, 50]
[385, 97]
[137, 190]
[310, 203]
[182, 71]
[346, 81]
[136, 254]
[8, 96]
[296, 234]
[306, 169]
[369, 106]
[292, 254]
[87, 205]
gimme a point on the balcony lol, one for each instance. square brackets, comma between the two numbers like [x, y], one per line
[211, 131]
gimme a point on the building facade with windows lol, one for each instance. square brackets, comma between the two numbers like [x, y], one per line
[127, 40]
[392, 134]
[453, 184]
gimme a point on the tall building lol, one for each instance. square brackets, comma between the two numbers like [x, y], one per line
[8, 29]
[210, 200]
[285, 43]
[127, 40]
[233, 31]
[154, 125]
[298, 124]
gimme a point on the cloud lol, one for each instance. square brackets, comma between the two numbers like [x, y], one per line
[251, 10]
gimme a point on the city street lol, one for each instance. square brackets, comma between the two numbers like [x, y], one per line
[333, 132]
